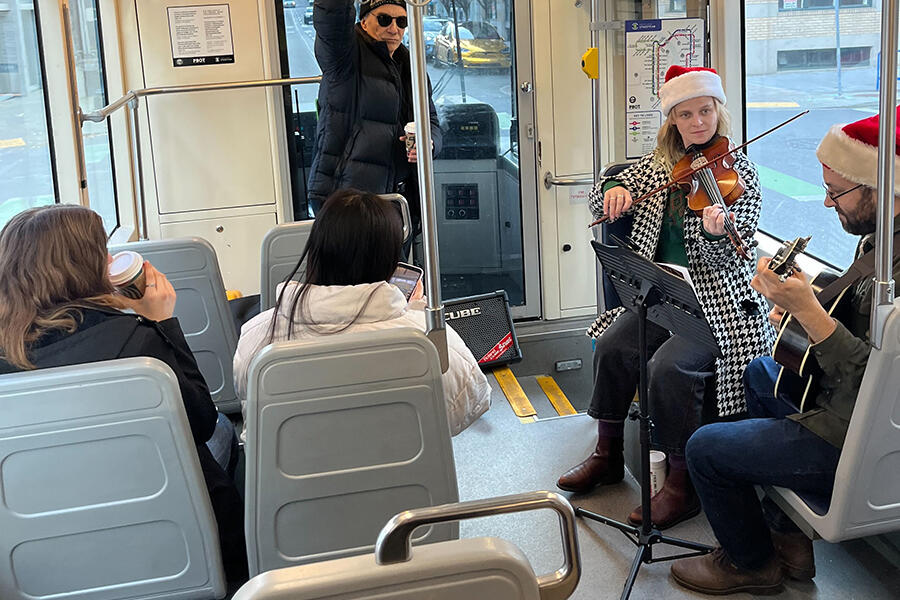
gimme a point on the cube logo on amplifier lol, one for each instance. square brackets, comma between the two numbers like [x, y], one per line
[485, 325]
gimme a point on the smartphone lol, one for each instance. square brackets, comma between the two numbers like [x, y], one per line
[407, 277]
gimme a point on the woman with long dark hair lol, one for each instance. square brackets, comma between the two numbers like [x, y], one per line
[352, 252]
[58, 308]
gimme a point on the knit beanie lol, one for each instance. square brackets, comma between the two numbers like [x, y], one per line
[851, 151]
[367, 6]
[685, 83]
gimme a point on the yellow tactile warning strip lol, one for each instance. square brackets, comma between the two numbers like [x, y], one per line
[514, 393]
[556, 396]
[12, 143]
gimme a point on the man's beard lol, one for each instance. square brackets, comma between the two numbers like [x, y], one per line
[862, 220]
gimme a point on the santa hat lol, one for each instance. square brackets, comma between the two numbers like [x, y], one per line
[851, 151]
[685, 83]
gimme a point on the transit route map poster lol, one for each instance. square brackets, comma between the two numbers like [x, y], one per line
[200, 35]
[651, 47]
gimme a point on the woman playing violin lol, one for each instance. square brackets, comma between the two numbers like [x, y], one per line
[687, 384]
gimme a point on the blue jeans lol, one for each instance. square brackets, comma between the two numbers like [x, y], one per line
[727, 459]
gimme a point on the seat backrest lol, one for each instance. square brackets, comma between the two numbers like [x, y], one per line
[191, 266]
[621, 228]
[281, 249]
[866, 496]
[355, 430]
[103, 496]
[473, 568]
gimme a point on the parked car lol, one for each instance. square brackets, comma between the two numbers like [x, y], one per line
[432, 27]
[307, 16]
[289, 3]
[480, 44]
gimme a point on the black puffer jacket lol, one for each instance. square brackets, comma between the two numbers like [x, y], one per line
[365, 99]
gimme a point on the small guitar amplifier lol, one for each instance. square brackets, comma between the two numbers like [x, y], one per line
[485, 325]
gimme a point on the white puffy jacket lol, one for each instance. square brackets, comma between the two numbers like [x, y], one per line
[466, 390]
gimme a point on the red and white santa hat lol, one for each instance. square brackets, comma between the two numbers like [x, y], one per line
[685, 83]
[852, 152]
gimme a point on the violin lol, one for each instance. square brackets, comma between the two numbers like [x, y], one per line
[708, 175]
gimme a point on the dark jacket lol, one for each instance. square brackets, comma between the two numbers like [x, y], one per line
[106, 334]
[365, 99]
[843, 357]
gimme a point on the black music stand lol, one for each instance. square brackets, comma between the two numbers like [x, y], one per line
[669, 301]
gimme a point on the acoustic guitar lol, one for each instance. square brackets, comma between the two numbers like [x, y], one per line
[799, 368]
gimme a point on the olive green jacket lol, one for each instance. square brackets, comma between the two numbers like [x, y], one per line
[843, 356]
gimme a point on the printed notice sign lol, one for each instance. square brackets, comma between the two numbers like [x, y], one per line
[651, 47]
[200, 35]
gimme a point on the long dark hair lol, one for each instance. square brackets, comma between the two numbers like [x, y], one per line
[52, 263]
[355, 239]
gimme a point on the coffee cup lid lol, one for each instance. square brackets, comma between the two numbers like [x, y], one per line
[410, 127]
[657, 456]
[125, 266]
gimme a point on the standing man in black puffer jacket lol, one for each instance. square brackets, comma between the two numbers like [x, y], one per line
[365, 100]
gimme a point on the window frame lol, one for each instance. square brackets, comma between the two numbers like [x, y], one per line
[801, 8]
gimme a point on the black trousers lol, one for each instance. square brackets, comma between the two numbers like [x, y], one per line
[681, 381]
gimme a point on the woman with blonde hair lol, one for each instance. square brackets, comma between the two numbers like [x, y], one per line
[687, 384]
[58, 308]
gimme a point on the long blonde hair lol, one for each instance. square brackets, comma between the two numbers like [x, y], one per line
[52, 262]
[669, 145]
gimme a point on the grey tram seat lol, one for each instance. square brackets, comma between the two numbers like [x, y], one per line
[281, 249]
[354, 430]
[202, 309]
[283, 245]
[866, 496]
[103, 496]
[471, 568]
[621, 228]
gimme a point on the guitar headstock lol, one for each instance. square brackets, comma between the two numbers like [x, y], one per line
[783, 263]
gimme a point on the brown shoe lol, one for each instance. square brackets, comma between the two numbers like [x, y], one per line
[795, 551]
[675, 502]
[605, 466]
[716, 574]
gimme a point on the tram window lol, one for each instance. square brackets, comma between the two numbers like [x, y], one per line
[27, 169]
[90, 74]
[790, 65]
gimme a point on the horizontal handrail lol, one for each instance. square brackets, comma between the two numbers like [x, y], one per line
[550, 180]
[101, 114]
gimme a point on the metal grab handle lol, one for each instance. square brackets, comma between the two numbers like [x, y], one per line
[550, 180]
[393, 545]
[403, 203]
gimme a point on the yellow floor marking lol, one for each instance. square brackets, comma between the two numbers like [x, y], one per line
[12, 143]
[556, 396]
[772, 105]
[514, 393]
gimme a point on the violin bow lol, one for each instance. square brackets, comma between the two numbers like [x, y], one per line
[605, 218]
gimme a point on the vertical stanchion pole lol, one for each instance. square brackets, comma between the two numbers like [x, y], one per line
[883, 301]
[436, 328]
[136, 155]
[77, 120]
[595, 91]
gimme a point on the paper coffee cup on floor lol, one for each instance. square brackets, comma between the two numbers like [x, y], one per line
[657, 471]
[410, 131]
[126, 273]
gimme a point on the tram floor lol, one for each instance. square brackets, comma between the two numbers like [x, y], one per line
[500, 455]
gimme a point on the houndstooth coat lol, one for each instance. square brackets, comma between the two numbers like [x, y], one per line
[736, 313]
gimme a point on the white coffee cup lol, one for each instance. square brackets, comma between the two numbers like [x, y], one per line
[126, 273]
[410, 131]
[657, 471]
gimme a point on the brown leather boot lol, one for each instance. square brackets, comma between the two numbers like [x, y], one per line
[675, 502]
[716, 574]
[795, 551]
[605, 466]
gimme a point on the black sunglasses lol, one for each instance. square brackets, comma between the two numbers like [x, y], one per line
[385, 20]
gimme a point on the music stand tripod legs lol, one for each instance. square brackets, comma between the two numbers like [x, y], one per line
[645, 536]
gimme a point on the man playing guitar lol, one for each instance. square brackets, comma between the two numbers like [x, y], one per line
[779, 445]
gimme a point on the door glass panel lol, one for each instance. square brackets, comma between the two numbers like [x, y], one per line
[92, 96]
[791, 66]
[26, 155]
[477, 193]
